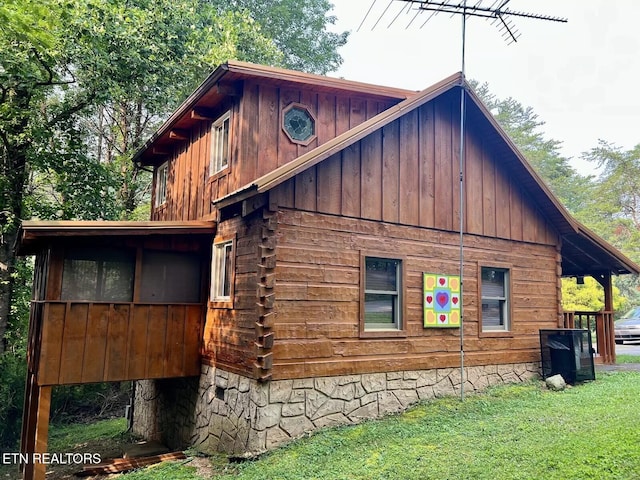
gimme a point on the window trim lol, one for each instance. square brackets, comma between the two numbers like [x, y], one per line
[507, 329]
[401, 330]
[161, 184]
[214, 168]
[219, 301]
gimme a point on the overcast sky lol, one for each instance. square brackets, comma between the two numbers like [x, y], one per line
[579, 77]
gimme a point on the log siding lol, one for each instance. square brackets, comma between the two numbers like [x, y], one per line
[318, 301]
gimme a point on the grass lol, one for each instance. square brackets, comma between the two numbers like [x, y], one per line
[627, 359]
[511, 432]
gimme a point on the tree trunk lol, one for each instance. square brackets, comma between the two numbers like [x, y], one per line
[13, 162]
[7, 265]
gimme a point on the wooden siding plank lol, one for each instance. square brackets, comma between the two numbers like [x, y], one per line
[268, 128]
[427, 164]
[309, 99]
[443, 159]
[53, 317]
[246, 167]
[371, 186]
[329, 185]
[357, 112]
[409, 202]
[529, 222]
[137, 346]
[391, 172]
[488, 195]
[95, 345]
[351, 199]
[515, 212]
[73, 342]
[287, 150]
[192, 340]
[473, 183]
[342, 114]
[156, 332]
[326, 118]
[306, 194]
[503, 208]
[116, 361]
[175, 344]
[455, 165]
[197, 175]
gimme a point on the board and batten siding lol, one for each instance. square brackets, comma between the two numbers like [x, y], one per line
[258, 144]
[318, 297]
[408, 173]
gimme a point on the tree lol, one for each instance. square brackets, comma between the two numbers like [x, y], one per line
[76, 101]
[523, 127]
[299, 29]
[615, 212]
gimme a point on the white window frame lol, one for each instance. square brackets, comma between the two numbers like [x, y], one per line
[503, 301]
[162, 175]
[221, 270]
[220, 138]
[395, 294]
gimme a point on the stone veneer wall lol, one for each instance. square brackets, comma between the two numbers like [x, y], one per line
[226, 412]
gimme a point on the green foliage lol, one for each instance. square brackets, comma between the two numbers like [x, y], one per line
[524, 127]
[65, 438]
[162, 471]
[13, 371]
[589, 297]
[515, 432]
[620, 359]
[299, 29]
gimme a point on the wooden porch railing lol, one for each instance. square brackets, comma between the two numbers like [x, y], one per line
[602, 323]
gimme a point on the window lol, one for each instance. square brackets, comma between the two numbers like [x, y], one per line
[221, 272]
[98, 274]
[161, 183]
[170, 277]
[220, 144]
[495, 299]
[382, 299]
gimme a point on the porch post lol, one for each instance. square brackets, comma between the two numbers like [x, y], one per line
[605, 333]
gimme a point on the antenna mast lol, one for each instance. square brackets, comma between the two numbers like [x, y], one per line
[501, 16]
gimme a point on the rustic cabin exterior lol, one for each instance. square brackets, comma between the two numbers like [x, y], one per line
[329, 212]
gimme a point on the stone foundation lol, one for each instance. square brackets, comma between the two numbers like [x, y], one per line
[225, 412]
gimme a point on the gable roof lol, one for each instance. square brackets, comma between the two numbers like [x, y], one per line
[583, 252]
[221, 83]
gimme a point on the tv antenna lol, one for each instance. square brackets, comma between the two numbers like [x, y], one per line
[503, 17]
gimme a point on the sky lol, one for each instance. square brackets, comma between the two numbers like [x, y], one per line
[579, 77]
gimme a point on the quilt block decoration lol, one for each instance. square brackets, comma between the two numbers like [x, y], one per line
[441, 295]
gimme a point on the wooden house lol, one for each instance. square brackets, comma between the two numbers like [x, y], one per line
[316, 222]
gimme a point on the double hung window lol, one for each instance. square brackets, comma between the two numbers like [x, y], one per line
[161, 184]
[222, 272]
[220, 144]
[382, 297]
[495, 299]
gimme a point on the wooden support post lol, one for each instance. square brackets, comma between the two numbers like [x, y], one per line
[37, 430]
[604, 327]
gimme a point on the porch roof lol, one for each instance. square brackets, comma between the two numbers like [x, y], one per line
[35, 234]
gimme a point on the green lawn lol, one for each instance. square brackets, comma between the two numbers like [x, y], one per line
[512, 432]
[590, 431]
[627, 359]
